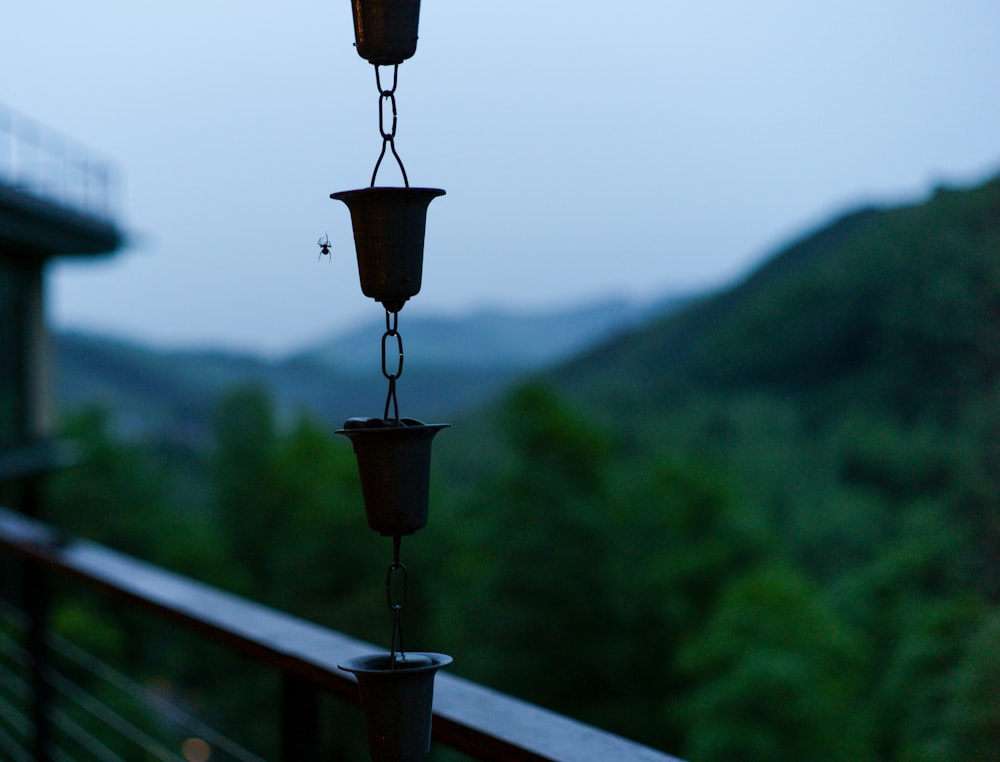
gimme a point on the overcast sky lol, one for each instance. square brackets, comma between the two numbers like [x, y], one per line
[588, 148]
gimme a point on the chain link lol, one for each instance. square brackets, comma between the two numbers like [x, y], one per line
[388, 138]
[390, 594]
[390, 97]
[391, 323]
[396, 605]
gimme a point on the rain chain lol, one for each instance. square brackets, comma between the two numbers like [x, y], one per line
[393, 453]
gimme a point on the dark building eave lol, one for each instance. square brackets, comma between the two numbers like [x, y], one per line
[38, 229]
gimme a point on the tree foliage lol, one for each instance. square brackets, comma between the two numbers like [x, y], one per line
[766, 529]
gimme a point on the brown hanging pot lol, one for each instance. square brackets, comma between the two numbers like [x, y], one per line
[397, 699]
[385, 31]
[394, 463]
[389, 226]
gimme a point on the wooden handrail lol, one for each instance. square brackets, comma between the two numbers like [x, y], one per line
[471, 718]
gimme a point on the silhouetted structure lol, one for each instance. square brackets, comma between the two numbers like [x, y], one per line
[53, 203]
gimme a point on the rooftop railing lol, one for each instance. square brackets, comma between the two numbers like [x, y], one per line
[42, 162]
[468, 717]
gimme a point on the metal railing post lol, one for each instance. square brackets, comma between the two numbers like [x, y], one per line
[299, 720]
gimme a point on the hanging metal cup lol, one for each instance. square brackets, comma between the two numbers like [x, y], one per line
[385, 31]
[389, 225]
[394, 462]
[397, 702]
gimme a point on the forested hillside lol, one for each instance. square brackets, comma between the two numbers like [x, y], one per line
[861, 362]
[815, 461]
[765, 528]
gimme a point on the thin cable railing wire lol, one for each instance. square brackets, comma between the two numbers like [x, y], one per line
[60, 755]
[13, 717]
[18, 721]
[15, 685]
[14, 651]
[82, 736]
[110, 717]
[10, 614]
[151, 699]
[135, 691]
[14, 750]
[16, 726]
[13, 656]
[15, 693]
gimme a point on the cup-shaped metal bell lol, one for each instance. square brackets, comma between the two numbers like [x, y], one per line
[389, 225]
[394, 462]
[397, 703]
[385, 31]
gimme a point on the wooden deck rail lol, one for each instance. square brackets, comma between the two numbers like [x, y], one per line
[468, 717]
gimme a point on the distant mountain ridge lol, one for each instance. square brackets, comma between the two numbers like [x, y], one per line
[491, 339]
[897, 306]
[815, 448]
[848, 383]
[452, 364]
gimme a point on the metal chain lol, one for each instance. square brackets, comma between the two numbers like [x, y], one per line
[388, 137]
[391, 322]
[396, 606]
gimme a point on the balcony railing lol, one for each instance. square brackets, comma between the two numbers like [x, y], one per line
[469, 718]
[39, 161]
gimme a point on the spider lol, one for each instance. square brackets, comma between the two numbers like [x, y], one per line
[324, 247]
